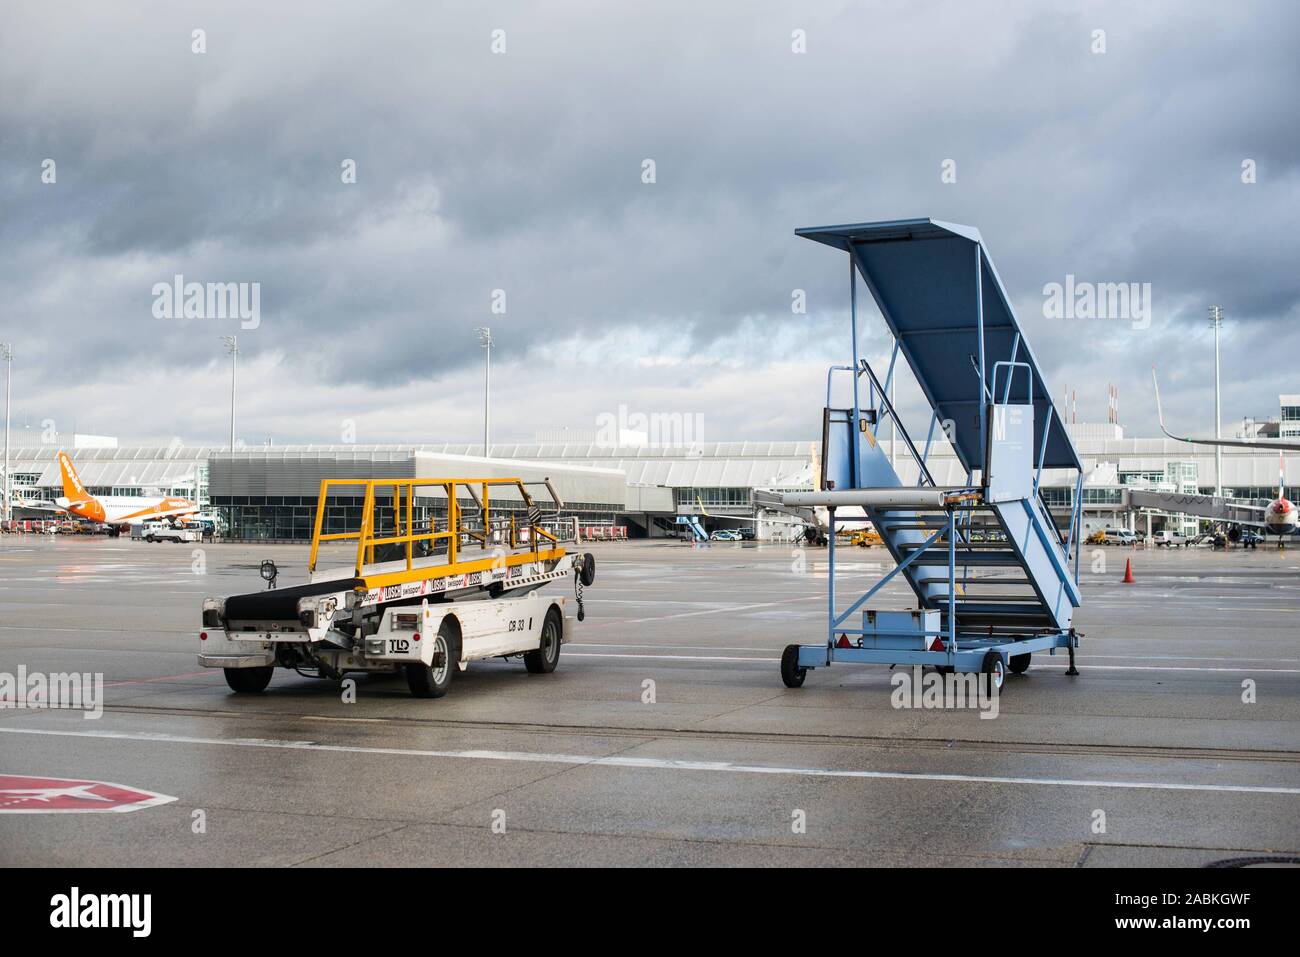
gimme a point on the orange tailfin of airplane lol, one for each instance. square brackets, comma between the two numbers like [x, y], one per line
[73, 490]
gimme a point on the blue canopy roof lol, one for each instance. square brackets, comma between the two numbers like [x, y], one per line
[921, 272]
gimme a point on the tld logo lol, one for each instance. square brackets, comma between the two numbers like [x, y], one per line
[103, 910]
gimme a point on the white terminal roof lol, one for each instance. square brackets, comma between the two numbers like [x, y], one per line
[162, 466]
[700, 465]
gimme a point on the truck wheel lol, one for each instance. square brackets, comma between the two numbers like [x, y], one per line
[791, 673]
[995, 668]
[248, 680]
[544, 659]
[588, 573]
[1019, 664]
[432, 681]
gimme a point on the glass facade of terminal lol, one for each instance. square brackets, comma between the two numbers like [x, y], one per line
[288, 518]
[716, 497]
[1062, 496]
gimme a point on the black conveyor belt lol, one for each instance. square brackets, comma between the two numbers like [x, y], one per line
[279, 604]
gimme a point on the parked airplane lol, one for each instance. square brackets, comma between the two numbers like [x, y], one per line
[1279, 517]
[116, 510]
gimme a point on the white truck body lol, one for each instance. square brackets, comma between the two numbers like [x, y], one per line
[488, 628]
[429, 627]
[166, 532]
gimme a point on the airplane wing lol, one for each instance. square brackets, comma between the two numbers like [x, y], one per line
[178, 511]
[765, 498]
[153, 513]
[1237, 443]
[38, 505]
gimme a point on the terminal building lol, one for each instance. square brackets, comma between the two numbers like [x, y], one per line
[270, 493]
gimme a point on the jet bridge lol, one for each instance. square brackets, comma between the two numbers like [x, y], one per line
[1202, 506]
[994, 578]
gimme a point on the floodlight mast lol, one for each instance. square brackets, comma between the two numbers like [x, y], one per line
[485, 338]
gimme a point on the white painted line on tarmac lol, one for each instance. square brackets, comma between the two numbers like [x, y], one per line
[1284, 671]
[1250, 671]
[663, 764]
[597, 654]
[625, 644]
[1276, 661]
[726, 608]
[662, 647]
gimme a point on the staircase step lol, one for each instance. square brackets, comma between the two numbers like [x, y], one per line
[1023, 616]
[934, 557]
[972, 580]
[963, 548]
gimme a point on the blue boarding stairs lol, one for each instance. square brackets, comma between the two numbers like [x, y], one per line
[693, 526]
[995, 579]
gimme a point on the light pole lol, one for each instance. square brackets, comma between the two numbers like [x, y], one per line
[7, 353]
[485, 337]
[232, 346]
[1216, 320]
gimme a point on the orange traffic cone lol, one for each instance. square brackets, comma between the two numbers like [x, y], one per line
[1128, 572]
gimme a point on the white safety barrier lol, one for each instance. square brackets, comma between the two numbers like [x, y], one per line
[603, 533]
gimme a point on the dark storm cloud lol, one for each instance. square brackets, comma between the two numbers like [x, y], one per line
[522, 172]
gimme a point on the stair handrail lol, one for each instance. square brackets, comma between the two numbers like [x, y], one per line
[889, 408]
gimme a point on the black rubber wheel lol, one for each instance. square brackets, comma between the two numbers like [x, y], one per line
[432, 681]
[994, 665]
[248, 680]
[791, 673]
[588, 573]
[1019, 664]
[544, 659]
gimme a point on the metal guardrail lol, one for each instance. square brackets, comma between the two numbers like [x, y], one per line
[401, 502]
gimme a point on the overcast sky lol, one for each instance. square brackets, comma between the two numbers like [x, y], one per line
[522, 171]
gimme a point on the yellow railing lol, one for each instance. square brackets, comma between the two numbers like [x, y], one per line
[401, 501]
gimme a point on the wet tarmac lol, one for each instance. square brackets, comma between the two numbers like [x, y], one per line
[666, 736]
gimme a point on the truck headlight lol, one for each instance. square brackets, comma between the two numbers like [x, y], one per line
[214, 609]
[312, 611]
